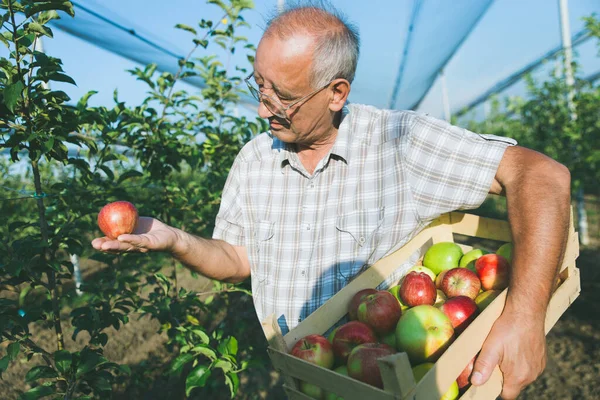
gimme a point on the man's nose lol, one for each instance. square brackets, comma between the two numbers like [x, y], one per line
[263, 111]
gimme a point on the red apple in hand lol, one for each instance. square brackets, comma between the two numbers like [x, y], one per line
[354, 303]
[461, 311]
[315, 349]
[381, 311]
[416, 289]
[117, 218]
[350, 335]
[493, 271]
[460, 282]
[362, 362]
[464, 379]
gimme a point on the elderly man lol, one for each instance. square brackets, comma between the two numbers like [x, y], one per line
[333, 187]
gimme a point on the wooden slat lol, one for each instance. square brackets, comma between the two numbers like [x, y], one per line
[325, 378]
[275, 339]
[443, 232]
[335, 308]
[487, 390]
[564, 296]
[294, 394]
[481, 227]
[396, 374]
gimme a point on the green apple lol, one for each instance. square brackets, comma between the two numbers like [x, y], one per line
[312, 391]
[470, 256]
[389, 339]
[421, 268]
[424, 332]
[331, 335]
[332, 396]
[484, 299]
[395, 290]
[419, 372]
[442, 256]
[506, 251]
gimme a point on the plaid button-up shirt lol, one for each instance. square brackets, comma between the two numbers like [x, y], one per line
[388, 174]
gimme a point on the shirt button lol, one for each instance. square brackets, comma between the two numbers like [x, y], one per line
[362, 240]
[302, 273]
[308, 227]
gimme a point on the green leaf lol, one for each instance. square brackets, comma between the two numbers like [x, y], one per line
[58, 77]
[205, 351]
[132, 173]
[63, 361]
[88, 362]
[12, 94]
[13, 350]
[203, 336]
[38, 28]
[228, 346]
[186, 28]
[47, 5]
[180, 362]
[197, 378]
[4, 364]
[38, 392]
[233, 382]
[39, 372]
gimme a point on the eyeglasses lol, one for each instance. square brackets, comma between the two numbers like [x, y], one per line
[273, 105]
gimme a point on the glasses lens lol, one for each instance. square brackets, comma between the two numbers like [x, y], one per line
[253, 91]
[273, 106]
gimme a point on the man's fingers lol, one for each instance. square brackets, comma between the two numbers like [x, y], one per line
[510, 392]
[487, 359]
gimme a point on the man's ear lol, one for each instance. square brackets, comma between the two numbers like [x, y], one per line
[341, 90]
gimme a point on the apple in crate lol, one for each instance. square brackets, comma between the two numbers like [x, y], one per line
[468, 260]
[416, 289]
[315, 349]
[484, 299]
[350, 335]
[464, 379]
[419, 372]
[439, 279]
[424, 332]
[493, 271]
[355, 302]
[442, 256]
[362, 362]
[440, 299]
[460, 282]
[506, 251]
[395, 290]
[311, 390]
[461, 310]
[342, 370]
[423, 269]
[117, 218]
[380, 311]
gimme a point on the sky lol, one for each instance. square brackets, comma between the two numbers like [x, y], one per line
[510, 34]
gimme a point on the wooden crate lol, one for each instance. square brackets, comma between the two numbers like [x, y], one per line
[395, 369]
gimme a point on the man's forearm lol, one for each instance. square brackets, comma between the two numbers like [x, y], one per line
[215, 259]
[539, 212]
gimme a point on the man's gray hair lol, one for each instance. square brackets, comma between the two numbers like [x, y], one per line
[337, 40]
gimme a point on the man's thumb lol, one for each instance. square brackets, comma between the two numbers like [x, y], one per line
[484, 365]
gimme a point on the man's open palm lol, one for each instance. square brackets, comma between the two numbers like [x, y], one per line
[149, 235]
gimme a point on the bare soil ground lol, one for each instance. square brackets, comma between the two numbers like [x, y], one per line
[573, 370]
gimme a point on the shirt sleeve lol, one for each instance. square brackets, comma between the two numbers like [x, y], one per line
[229, 221]
[450, 168]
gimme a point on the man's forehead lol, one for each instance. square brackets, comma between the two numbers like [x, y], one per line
[293, 52]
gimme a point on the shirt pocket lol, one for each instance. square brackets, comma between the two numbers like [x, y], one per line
[358, 235]
[263, 236]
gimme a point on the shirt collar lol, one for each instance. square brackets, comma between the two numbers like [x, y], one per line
[341, 147]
